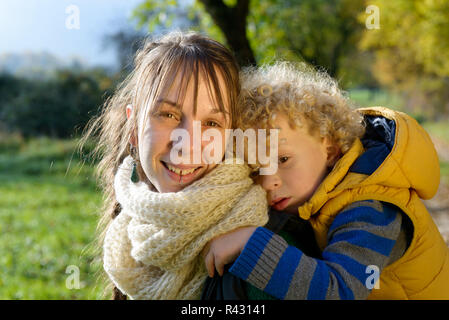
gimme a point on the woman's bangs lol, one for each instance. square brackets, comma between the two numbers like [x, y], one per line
[211, 73]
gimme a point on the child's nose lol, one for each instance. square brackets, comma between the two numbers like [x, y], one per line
[270, 182]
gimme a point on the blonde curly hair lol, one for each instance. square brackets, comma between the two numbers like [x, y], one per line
[309, 98]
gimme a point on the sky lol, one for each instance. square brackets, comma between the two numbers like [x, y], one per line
[41, 25]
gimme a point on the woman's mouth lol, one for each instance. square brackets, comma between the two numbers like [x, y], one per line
[280, 204]
[181, 174]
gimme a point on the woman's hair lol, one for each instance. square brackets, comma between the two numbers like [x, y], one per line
[309, 98]
[189, 55]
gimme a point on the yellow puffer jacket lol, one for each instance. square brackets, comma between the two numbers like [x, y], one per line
[408, 171]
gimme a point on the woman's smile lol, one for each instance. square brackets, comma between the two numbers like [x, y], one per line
[180, 173]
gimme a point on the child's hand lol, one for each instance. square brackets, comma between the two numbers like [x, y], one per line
[224, 249]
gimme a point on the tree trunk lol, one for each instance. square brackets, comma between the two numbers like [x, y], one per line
[232, 21]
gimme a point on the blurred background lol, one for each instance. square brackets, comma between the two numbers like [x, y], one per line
[60, 60]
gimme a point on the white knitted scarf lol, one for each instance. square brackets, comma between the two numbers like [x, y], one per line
[152, 248]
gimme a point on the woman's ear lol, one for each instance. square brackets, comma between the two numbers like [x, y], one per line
[129, 111]
[129, 114]
[333, 152]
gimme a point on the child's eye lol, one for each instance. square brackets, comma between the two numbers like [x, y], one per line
[283, 159]
[254, 173]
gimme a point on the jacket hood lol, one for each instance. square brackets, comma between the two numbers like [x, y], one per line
[398, 152]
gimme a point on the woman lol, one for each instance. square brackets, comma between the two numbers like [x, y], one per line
[164, 206]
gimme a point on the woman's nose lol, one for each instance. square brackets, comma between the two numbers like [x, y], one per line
[192, 130]
[270, 182]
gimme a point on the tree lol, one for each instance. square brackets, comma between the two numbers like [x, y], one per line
[411, 50]
[321, 32]
[229, 16]
[56, 107]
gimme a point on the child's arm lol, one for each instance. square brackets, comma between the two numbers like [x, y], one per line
[359, 237]
[225, 248]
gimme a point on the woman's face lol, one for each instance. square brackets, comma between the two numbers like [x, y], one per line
[159, 155]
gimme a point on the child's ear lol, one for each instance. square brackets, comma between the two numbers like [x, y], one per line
[333, 152]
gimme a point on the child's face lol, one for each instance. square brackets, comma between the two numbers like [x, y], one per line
[155, 144]
[303, 163]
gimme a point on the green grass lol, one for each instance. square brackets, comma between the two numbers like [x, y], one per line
[49, 206]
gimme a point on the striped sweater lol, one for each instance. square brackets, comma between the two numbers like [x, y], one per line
[363, 239]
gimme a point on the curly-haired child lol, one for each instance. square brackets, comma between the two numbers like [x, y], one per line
[358, 177]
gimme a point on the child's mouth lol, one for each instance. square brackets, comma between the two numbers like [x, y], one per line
[181, 174]
[280, 204]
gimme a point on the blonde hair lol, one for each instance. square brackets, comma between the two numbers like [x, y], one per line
[157, 64]
[308, 97]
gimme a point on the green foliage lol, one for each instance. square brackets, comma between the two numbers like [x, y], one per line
[58, 107]
[49, 207]
[321, 32]
[409, 54]
[10, 143]
[153, 14]
[415, 30]
[412, 51]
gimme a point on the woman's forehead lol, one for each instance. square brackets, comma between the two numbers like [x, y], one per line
[201, 90]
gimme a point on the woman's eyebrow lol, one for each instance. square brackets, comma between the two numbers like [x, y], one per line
[169, 102]
[215, 110]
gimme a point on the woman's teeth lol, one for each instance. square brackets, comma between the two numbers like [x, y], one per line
[179, 171]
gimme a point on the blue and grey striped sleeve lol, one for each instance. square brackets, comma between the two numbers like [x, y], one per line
[363, 239]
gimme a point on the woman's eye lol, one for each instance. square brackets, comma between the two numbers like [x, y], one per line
[283, 159]
[211, 123]
[168, 115]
